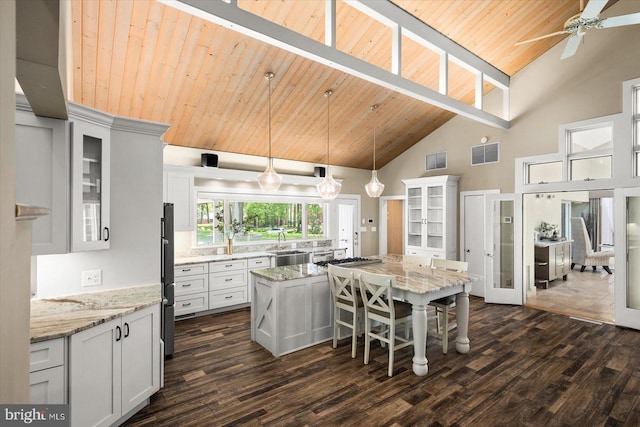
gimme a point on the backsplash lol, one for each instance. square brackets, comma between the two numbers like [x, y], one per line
[310, 245]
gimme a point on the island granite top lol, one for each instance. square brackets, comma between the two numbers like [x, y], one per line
[290, 272]
[60, 317]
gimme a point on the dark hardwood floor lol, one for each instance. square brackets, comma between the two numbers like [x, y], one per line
[526, 368]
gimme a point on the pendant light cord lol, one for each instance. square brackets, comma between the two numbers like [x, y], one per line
[374, 147]
[269, 76]
[328, 94]
[374, 107]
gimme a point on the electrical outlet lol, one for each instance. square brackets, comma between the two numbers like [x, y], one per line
[92, 278]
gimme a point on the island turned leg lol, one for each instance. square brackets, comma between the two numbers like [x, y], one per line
[462, 318]
[419, 319]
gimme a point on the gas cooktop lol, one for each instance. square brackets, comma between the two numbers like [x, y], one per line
[349, 262]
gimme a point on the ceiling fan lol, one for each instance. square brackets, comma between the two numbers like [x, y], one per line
[578, 25]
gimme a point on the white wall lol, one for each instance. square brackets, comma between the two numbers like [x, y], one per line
[136, 210]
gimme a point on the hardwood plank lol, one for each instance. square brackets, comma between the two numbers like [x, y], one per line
[525, 367]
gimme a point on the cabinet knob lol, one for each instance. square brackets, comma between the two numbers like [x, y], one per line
[126, 330]
[118, 333]
[105, 234]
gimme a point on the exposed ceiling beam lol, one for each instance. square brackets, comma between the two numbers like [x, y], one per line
[229, 15]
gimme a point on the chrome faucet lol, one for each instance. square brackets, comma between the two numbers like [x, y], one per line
[284, 237]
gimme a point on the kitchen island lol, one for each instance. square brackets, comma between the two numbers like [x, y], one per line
[291, 307]
[285, 320]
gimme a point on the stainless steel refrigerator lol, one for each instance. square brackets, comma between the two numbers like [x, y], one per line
[168, 282]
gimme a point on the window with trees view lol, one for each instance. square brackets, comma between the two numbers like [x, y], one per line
[219, 219]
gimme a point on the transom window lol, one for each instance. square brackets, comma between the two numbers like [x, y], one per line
[590, 151]
[221, 217]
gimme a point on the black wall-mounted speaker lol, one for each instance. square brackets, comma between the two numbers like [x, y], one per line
[209, 160]
[319, 171]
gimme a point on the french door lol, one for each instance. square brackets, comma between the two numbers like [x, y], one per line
[503, 250]
[627, 256]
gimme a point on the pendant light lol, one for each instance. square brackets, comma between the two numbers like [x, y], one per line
[328, 188]
[374, 187]
[269, 180]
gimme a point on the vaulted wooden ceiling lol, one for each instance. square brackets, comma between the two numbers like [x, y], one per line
[143, 59]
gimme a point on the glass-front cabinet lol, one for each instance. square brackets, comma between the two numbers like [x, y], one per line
[90, 170]
[431, 216]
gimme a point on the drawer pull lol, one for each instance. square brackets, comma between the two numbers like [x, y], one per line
[258, 262]
[228, 280]
[186, 304]
[228, 265]
[186, 285]
[186, 269]
[229, 297]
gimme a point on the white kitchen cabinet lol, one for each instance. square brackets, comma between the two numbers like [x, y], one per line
[42, 177]
[47, 384]
[191, 289]
[64, 165]
[431, 215]
[227, 283]
[90, 190]
[179, 190]
[339, 254]
[113, 367]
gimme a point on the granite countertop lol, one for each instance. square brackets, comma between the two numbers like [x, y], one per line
[225, 257]
[60, 317]
[290, 272]
[245, 255]
[408, 276]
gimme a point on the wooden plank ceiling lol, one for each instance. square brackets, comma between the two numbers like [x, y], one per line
[145, 60]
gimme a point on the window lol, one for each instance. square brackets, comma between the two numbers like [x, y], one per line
[590, 151]
[486, 153]
[543, 173]
[437, 161]
[229, 216]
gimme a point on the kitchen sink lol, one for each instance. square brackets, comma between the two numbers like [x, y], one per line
[291, 257]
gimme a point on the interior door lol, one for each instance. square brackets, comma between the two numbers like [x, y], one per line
[627, 252]
[473, 242]
[348, 235]
[503, 250]
[394, 227]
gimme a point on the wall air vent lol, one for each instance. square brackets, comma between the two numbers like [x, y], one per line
[486, 153]
[436, 161]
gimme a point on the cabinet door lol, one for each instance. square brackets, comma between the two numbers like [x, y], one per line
[415, 217]
[179, 191]
[95, 375]
[90, 173]
[47, 386]
[435, 218]
[42, 178]
[140, 356]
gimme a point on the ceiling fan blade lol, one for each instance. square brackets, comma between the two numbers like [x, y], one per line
[572, 46]
[593, 9]
[541, 37]
[619, 21]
